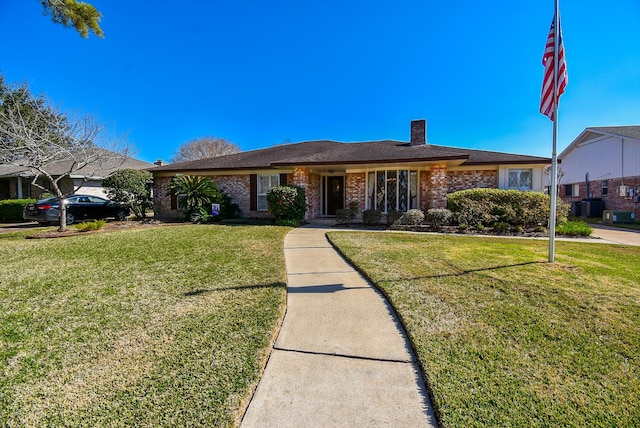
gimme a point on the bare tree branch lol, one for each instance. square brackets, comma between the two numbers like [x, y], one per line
[40, 138]
[203, 148]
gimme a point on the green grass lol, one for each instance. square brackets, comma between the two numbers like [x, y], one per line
[167, 326]
[574, 228]
[507, 339]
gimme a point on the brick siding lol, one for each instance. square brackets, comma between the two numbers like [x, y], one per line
[612, 200]
[463, 180]
[356, 190]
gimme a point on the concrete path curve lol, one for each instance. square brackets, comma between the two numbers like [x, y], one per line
[341, 358]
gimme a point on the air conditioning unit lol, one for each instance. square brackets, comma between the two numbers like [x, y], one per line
[624, 190]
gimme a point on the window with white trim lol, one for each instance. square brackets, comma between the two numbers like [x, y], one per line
[265, 183]
[572, 189]
[392, 190]
[520, 179]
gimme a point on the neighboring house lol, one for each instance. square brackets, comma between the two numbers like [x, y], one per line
[386, 175]
[607, 160]
[15, 181]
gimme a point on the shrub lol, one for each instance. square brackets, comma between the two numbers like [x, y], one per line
[344, 215]
[393, 216]
[412, 217]
[371, 216]
[91, 225]
[439, 217]
[500, 227]
[514, 207]
[11, 209]
[131, 187]
[288, 203]
[574, 228]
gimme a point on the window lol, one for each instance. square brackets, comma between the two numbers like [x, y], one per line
[266, 183]
[572, 189]
[520, 179]
[605, 186]
[392, 190]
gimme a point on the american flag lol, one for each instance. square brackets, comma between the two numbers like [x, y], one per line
[547, 99]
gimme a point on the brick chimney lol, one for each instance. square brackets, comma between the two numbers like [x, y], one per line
[158, 162]
[418, 132]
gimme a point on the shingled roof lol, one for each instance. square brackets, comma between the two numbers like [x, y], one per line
[326, 152]
[623, 131]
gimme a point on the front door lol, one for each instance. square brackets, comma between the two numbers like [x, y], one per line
[335, 194]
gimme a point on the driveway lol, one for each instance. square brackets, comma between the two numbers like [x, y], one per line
[616, 235]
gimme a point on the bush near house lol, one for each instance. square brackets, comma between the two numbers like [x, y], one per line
[485, 207]
[11, 209]
[371, 216]
[439, 217]
[288, 204]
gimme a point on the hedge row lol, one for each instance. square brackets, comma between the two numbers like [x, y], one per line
[485, 207]
[11, 209]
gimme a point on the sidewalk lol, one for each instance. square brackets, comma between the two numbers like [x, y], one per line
[341, 358]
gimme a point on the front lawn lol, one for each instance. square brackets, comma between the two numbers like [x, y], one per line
[507, 339]
[167, 326]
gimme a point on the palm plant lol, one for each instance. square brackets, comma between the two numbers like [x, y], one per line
[194, 191]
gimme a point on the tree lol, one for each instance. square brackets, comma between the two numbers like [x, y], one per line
[71, 13]
[38, 137]
[203, 148]
[131, 187]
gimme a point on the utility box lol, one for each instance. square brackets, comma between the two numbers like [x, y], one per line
[613, 217]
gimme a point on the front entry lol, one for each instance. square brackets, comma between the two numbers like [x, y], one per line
[333, 194]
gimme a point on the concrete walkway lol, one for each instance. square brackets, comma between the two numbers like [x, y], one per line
[341, 358]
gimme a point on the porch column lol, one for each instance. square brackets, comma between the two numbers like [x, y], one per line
[301, 178]
[438, 186]
[19, 187]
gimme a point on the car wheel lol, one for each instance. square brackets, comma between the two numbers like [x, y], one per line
[120, 215]
[70, 218]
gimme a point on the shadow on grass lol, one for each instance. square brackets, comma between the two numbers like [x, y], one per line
[466, 272]
[201, 291]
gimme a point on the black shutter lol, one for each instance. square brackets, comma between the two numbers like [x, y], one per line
[283, 179]
[174, 202]
[253, 192]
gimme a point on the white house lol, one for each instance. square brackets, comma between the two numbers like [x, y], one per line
[603, 163]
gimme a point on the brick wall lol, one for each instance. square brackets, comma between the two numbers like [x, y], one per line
[311, 184]
[462, 180]
[437, 195]
[612, 200]
[355, 190]
[162, 202]
[235, 186]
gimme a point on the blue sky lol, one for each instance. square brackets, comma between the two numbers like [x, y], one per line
[260, 73]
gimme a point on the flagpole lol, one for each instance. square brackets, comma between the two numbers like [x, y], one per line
[554, 155]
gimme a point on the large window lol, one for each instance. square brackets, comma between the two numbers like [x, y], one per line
[392, 190]
[521, 179]
[265, 183]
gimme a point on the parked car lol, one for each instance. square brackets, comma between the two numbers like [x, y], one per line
[79, 208]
